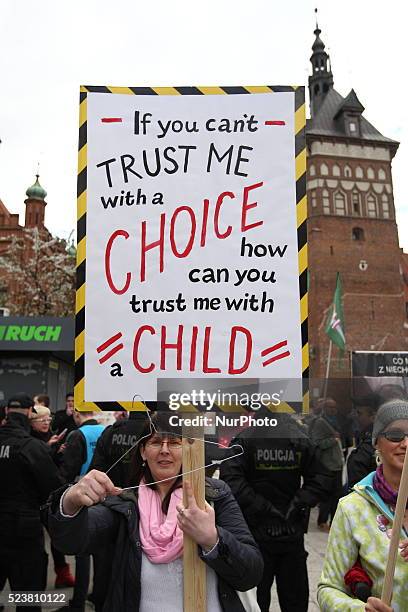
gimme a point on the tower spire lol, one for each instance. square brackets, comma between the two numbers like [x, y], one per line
[35, 204]
[321, 79]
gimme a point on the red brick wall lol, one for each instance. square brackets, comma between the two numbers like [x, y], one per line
[374, 301]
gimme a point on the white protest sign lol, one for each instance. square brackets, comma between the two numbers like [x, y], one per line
[191, 241]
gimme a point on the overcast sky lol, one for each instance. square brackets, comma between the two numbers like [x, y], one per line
[49, 47]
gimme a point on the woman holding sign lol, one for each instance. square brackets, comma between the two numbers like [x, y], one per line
[361, 528]
[137, 535]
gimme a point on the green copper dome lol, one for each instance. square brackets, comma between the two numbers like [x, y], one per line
[36, 192]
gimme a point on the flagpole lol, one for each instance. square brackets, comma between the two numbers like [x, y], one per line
[327, 369]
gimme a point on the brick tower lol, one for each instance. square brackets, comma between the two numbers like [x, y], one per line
[35, 205]
[351, 227]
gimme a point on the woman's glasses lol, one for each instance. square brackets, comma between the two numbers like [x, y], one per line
[43, 420]
[157, 443]
[394, 435]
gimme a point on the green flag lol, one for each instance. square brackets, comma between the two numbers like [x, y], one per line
[335, 320]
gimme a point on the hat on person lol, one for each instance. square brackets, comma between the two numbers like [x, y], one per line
[387, 413]
[40, 412]
[20, 400]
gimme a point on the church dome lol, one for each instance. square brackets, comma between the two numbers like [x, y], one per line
[36, 192]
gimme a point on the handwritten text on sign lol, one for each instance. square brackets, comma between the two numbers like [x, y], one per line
[192, 264]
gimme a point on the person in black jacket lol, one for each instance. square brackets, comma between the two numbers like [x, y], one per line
[27, 476]
[276, 482]
[80, 445]
[40, 423]
[77, 456]
[113, 443]
[40, 429]
[140, 532]
[64, 419]
[361, 460]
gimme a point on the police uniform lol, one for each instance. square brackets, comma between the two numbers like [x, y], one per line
[276, 482]
[113, 443]
[27, 476]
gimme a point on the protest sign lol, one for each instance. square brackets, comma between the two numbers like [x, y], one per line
[376, 372]
[191, 238]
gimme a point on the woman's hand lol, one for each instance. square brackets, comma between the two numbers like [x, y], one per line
[53, 440]
[404, 549]
[91, 489]
[376, 605]
[196, 523]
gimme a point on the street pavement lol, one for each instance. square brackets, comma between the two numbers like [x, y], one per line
[316, 542]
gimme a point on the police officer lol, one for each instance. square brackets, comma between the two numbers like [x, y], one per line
[113, 444]
[276, 482]
[27, 476]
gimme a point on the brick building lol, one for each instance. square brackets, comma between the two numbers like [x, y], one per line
[10, 229]
[34, 214]
[36, 269]
[351, 226]
[36, 352]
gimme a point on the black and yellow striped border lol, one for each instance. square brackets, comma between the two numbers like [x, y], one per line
[301, 207]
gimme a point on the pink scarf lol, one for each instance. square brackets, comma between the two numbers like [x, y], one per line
[383, 489]
[162, 539]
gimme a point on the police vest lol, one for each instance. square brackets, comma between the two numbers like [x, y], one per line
[91, 434]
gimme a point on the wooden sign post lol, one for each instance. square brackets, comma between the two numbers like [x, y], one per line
[195, 596]
[386, 595]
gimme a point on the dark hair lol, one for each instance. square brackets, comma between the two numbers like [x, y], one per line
[139, 469]
[375, 399]
[369, 401]
[43, 399]
[70, 394]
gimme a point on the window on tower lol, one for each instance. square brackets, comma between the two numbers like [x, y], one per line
[385, 206]
[324, 170]
[314, 199]
[347, 172]
[381, 174]
[312, 170]
[339, 203]
[326, 202]
[336, 170]
[372, 205]
[359, 172]
[355, 198]
[370, 173]
[357, 233]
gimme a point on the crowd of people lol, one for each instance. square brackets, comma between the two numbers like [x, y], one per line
[102, 495]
